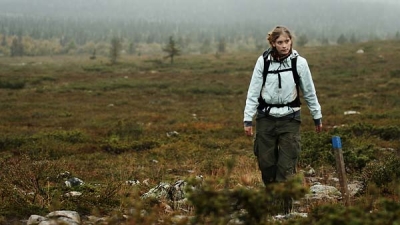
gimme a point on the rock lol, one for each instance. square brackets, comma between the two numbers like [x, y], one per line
[35, 220]
[290, 216]
[154, 161]
[73, 182]
[172, 134]
[49, 222]
[132, 182]
[354, 188]
[319, 192]
[177, 191]
[351, 112]
[56, 218]
[160, 191]
[73, 194]
[360, 51]
[146, 182]
[70, 217]
[96, 220]
[174, 192]
[309, 171]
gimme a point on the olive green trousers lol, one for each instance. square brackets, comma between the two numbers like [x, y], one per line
[277, 146]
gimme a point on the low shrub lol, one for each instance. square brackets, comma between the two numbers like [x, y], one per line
[383, 173]
[385, 212]
[35, 187]
[118, 145]
[12, 141]
[250, 206]
[15, 84]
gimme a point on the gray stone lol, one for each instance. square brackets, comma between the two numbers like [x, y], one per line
[160, 191]
[35, 220]
[73, 194]
[65, 215]
[73, 182]
[319, 192]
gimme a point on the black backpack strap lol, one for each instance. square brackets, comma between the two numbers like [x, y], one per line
[296, 78]
[266, 66]
[261, 102]
[265, 72]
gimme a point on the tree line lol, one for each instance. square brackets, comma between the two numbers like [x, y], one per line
[36, 36]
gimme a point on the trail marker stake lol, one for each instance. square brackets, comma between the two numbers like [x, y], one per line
[340, 168]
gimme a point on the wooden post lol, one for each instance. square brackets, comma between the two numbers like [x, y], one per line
[340, 168]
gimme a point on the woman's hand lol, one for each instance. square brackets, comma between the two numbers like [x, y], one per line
[318, 128]
[248, 130]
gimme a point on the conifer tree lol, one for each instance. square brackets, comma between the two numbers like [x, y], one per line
[115, 49]
[342, 40]
[17, 48]
[222, 45]
[302, 41]
[3, 41]
[171, 49]
[206, 46]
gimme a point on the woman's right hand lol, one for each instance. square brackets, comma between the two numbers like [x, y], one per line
[248, 130]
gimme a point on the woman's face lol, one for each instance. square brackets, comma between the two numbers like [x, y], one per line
[283, 44]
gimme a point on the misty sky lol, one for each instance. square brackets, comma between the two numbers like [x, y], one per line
[379, 15]
[195, 10]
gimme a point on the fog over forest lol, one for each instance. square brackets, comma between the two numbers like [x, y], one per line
[155, 20]
[341, 13]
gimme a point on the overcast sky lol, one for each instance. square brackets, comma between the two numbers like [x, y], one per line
[194, 9]
[379, 15]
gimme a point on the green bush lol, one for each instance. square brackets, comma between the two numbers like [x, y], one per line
[25, 188]
[386, 133]
[316, 149]
[70, 136]
[118, 145]
[384, 173]
[386, 212]
[250, 206]
[12, 141]
[15, 84]
[126, 130]
[34, 187]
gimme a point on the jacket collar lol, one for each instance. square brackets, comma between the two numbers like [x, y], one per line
[294, 54]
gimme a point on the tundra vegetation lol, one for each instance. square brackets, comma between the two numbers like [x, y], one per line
[146, 119]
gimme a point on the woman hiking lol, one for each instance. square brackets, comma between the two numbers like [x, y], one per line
[273, 98]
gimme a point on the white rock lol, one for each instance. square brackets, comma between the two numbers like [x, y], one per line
[324, 191]
[354, 188]
[35, 220]
[351, 112]
[132, 182]
[73, 194]
[172, 134]
[160, 191]
[74, 182]
[49, 222]
[72, 215]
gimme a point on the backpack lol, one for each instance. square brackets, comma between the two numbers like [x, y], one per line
[261, 102]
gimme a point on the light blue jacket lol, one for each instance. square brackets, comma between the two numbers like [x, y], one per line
[272, 94]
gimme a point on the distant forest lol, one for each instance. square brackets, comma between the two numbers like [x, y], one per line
[84, 26]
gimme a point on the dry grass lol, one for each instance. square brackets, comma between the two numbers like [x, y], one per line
[136, 102]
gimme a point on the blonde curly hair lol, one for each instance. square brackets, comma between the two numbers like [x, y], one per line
[278, 31]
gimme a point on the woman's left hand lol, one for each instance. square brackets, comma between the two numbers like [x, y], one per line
[318, 128]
